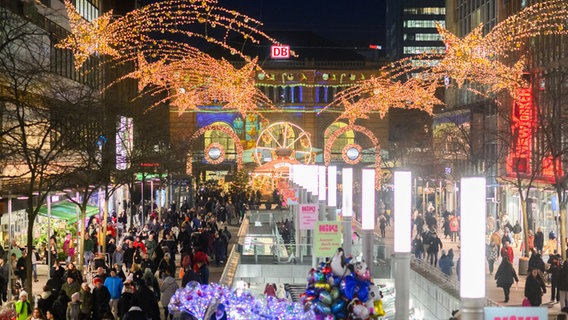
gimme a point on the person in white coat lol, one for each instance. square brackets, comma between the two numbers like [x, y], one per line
[168, 287]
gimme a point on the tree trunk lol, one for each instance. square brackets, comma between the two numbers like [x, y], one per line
[81, 232]
[562, 229]
[30, 245]
[525, 252]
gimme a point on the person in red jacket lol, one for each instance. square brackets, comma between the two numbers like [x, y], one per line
[507, 250]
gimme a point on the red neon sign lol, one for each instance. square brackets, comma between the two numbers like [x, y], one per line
[521, 129]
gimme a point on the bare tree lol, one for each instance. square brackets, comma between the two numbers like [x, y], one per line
[40, 122]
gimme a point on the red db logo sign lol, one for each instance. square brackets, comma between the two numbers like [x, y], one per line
[280, 52]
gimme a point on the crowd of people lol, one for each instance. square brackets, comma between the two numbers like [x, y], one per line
[137, 271]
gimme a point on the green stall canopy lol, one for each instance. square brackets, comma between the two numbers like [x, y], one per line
[66, 211]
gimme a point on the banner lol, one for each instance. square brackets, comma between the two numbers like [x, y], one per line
[308, 216]
[327, 238]
[518, 313]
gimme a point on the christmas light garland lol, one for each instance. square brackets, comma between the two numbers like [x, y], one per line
[214, 127]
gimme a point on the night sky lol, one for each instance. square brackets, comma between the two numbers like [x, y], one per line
[349, 23]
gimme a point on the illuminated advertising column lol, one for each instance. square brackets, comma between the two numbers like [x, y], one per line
[402, 239]
[472, 238]
[331, 193]
[368, 215]
[322, 193]
[347, 207]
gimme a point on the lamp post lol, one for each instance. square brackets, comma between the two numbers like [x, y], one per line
[8, 260]
[347, 207]
[472, 238]
[368, 214]
[402, 236]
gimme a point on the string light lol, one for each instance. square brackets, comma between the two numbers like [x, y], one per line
[215, 127]
[482, 59]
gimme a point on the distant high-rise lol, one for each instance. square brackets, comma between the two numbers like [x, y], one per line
[411, 27]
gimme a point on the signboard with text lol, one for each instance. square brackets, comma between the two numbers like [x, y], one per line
[327, 238]
[280, 52]
[516, 313]
[308, 216]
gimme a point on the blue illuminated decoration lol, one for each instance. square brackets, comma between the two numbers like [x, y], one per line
[205, 119]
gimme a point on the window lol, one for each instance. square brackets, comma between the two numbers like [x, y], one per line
[420, 50]
[88, 9]
[425, 11]
[221, 138]
[347, 138]
[427, 37]
[423, 23]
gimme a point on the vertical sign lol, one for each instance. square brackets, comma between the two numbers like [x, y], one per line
[308, 216]
[327, 238]
[521, 130]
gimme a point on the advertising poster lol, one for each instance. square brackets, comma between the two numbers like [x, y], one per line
[518, 313]
[308, 216]
[327, 238]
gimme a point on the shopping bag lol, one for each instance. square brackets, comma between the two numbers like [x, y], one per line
[526, 302]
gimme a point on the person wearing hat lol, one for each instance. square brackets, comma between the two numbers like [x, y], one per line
[71, 286]
[74, 307]
[86, 298]
[220, 313]
[23, 306]
[534, 287]
[101, 299]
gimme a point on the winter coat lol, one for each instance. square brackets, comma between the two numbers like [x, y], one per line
[73, 310]
[505, 274]
[534, 289]
[563, 277]
[539, 240]
[168, 288]
[86, 298]
[101, 298]
[446, 263]
[492, 251]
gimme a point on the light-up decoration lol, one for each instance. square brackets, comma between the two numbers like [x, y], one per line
[313, 179]
[239, 304]
[280, 136]
[352, 153]
[368, 199]
[552, 168]
[337, 133]
[402, 211]
[332, 186]
[479, 59]
[124, 142]
[522, 126]
[214, 153]
[179, 69]
[472, 228]
[322, 183]
[347, 192]
[214, 127]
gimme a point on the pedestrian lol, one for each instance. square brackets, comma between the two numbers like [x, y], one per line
[74, 307]
[114, 286]
[220, 313]
[200, 267]
[36, 314]
[418, 247]
[435, 247]
[446, 263]
[35, 260]
[507, 250]
[534, 288]
[86, 298]
[269, 290]
[454, 228]
[563, 285]
[536, 262]
[539, 239]
[505, 275]
[168, 287]
[23, 306]
[101, 299]
[517, 229]
[383, 225]
[492, 256]
[554, 271]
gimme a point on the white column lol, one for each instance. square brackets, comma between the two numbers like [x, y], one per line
[368, 215]
[402, 239]
[331, 193]
[347, 208]
[472, 264]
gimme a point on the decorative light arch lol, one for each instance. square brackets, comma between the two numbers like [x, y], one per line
[369, 134]
[216, 127]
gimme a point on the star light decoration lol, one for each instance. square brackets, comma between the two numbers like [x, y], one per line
[398, 85]
[488, 60]
[189, 77]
